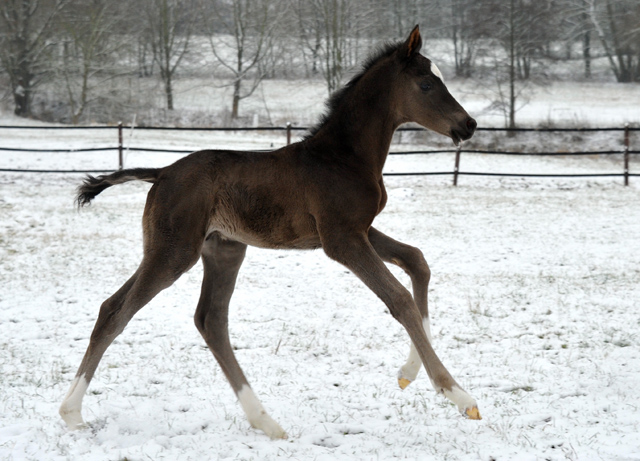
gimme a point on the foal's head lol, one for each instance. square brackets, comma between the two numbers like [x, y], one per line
[423, 98]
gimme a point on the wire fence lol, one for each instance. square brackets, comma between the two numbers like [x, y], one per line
[625, 172]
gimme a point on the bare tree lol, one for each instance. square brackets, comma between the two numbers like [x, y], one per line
[463, 45]
[144, 55]
[405, 14]
[248, 29]
[168, 29]
[576, 26]
[522, 31]
[335, 31]
[332, 33]
[468, 28]
[25, 43]
[89, 46]
[309, 33]
[618, 28]
[335, 15]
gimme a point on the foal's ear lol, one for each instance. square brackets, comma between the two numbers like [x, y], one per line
[413, 43]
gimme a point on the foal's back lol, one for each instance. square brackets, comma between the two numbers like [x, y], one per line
[256, 198]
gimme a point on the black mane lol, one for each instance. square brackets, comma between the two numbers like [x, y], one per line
[383, 51]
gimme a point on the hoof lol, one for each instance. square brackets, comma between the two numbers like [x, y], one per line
[473, 413]
[73, 420]
[403, 383]
[271, 429]
[278, 435]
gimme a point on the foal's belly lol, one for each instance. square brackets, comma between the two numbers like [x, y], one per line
[265, 214]
[264, 231]
[306, 242]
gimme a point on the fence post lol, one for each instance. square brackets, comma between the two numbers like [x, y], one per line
[626, 154]
[288, 133]
[120, 160]
[457, 165]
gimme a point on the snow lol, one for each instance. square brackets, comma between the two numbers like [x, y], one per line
[534, 304]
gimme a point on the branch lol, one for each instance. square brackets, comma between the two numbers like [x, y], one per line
[601, 36]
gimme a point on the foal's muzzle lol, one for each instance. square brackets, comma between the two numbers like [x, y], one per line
[464, 131]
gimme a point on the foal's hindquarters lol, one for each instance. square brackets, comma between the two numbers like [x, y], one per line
[176, 224]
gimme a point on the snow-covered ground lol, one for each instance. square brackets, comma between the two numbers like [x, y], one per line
[535, 301]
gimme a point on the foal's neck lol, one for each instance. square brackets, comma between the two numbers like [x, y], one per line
[361, 127]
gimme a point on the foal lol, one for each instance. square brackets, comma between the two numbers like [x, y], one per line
[323, 192]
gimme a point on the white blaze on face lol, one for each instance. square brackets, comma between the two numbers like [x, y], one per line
[435, 71]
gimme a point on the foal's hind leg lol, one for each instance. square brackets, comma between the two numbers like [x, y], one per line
[411, 260]
[222, 260]
[156, 272]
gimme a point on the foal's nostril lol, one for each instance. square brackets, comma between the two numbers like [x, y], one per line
[463, 130]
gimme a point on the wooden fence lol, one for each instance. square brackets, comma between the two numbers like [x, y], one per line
[624, 132]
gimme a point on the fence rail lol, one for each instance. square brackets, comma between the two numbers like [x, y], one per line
[626, 152]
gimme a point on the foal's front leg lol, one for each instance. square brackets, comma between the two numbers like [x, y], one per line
[411, 260]
[357, 253]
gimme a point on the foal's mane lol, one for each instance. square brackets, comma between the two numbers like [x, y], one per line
[338, 96]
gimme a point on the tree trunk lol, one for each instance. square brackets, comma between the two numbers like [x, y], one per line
[586, 48]
[22, 91]
[168, 91]
[586, 53]
[21, 98]
[624, 76]
[512, 68]
[316, 53]
[454, 36]
[236, 99]
[461, 48]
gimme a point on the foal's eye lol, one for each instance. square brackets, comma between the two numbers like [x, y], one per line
[424, 86]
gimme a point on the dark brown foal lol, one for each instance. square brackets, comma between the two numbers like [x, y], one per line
[324, 191]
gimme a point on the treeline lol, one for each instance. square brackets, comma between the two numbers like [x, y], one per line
[80, 48]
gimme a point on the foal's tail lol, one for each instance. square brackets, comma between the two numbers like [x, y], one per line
[92, 186]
